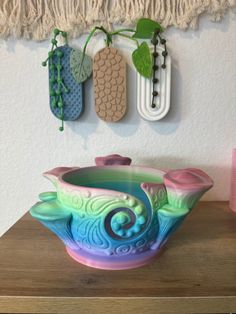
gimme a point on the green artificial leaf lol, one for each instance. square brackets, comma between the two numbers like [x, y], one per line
[80, 72]
[145, 28]
[142, 60]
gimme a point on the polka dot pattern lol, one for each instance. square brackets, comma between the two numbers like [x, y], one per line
[73, 100]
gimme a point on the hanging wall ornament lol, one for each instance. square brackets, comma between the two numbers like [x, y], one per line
[109, 70]
[153, 95]
[153, 90]
[109, 77]
[65, 88]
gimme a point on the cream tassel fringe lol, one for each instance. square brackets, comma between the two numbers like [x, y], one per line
[35, 19]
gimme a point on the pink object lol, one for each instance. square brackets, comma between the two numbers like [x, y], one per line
[187, 179]
[232, 202]
[190, 183]
[106, 262]
[117, 216]
[112, 160]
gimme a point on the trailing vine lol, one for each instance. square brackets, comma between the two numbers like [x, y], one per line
[143, 59]
[155, 54]
[56, 84]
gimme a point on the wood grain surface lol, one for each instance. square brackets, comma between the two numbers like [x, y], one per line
[195, 274]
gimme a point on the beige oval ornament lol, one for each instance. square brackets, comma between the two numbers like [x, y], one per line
[109, 78]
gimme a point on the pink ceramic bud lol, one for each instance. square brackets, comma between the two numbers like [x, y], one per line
[185, 186]
[112, 160]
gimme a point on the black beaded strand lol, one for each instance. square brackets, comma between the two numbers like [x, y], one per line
[155, 80]
[155, 54]
[164, 53]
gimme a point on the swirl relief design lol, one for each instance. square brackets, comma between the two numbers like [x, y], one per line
[110, 224]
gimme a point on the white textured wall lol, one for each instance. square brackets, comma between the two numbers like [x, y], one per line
[199, 131]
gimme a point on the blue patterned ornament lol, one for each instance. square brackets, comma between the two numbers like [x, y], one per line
[66, 92]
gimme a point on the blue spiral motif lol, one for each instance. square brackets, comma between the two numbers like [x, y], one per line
[122, 223]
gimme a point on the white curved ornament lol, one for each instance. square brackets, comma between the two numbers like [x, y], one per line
[145, 89]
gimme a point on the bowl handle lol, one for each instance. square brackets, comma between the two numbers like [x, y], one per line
[112, 160]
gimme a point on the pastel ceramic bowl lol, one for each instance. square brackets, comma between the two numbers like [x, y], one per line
[117, 216]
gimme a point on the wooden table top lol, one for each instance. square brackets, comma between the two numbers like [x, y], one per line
[195, 274]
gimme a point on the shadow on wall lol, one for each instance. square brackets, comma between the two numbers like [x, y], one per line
[88, 122]
[129, 125]
[11, 43]
[171, 121]
[132, 120]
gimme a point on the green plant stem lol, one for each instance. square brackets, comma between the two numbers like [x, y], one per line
[108, 39]
[131, 38]
[119, 31]
[123, 30]
[91, 35]
[93, 31]
[66, 39]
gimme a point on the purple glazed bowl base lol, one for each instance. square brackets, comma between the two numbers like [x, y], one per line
[111, 262]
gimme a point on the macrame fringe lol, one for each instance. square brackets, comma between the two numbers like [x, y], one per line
[35, 19]
[178, 13]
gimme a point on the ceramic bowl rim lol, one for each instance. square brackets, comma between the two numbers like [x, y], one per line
[80, 188]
